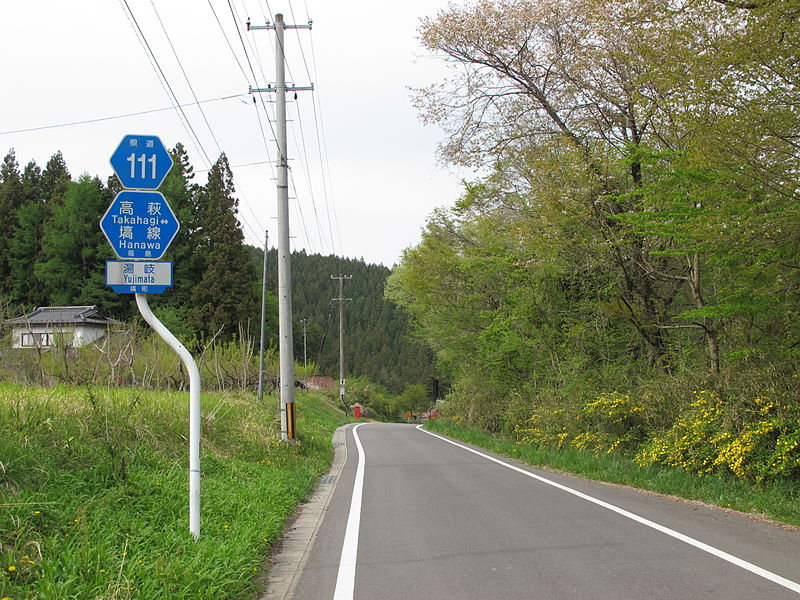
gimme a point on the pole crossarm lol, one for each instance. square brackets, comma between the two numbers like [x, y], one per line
[288, 88]
[272, 26]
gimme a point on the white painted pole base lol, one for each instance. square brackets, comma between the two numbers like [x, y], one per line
[194, 409]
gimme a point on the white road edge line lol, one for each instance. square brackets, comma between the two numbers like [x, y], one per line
[346, 578]
[769, 575]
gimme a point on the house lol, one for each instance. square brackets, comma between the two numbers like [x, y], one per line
[48, 326]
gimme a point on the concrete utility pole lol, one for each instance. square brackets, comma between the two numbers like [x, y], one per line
[263, 319]
[341, 300]
[284, 252]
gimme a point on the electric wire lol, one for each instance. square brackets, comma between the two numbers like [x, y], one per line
[227, 40]
[247, 56]
[307, 172]
[236, 18]
[244, 73]
[329, 197]
[245, 222]
[113, 117]
[185, 76]
[253, 45]
[236, 21]
[300, 210]
[303, 157]
[174, 97]
[299, 42]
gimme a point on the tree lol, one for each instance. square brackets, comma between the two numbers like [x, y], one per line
[182, 195]
[74, 249]
[12, 197]
[55, 178]
[223, 299]
[641, 197]
[553, 86]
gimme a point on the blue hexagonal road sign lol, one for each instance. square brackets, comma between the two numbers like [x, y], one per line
[141, 162]
[139, 225]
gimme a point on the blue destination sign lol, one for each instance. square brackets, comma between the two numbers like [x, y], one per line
[139, 225]
[138, 276]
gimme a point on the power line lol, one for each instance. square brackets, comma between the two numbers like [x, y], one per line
[307, 172]
[225, 35]
[185, 76]
[245, 222]
[157, 66]
[330, 204]
[300, 211]
[113, 117]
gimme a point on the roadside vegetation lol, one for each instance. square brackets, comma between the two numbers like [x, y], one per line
[622, 284]
[94, 466]
[94, 490]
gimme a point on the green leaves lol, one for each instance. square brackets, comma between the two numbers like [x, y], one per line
[640, 216]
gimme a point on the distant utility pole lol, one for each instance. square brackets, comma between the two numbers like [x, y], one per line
[305, 356]
[286, 346]
[263, 319]
[341, 300]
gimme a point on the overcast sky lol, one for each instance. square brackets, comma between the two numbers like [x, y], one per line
[364, 169]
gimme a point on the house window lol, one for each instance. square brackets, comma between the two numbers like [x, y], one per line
[35, 340]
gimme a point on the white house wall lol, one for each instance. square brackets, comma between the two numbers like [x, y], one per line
[79, 335]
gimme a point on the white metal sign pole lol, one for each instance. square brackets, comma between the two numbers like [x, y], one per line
[194, 409]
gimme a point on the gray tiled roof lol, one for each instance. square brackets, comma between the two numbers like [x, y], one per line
[63, 315]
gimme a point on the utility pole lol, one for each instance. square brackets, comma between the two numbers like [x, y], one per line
[285, 334]
[263, 319]
[305, 358]
[341, 300]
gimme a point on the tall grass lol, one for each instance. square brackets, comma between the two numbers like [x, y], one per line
[94, 491]
[138, 357]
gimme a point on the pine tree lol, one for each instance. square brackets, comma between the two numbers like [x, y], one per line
[25, 245]
[224, 297]
[182, 193]
[74, 249]
[55, 179]
[12, 197]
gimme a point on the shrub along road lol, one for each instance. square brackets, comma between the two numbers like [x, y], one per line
[415, 515]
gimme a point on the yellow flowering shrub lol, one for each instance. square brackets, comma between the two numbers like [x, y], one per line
[752, 439]
[610, 421]
[545, 428]
[605, 424]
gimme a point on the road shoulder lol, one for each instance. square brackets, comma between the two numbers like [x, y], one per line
[287, 564]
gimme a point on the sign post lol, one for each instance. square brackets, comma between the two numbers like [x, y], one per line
[140, 225]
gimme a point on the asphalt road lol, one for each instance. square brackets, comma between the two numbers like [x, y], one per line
[424, 518]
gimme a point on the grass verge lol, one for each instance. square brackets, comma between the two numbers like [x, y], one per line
[779, 501]
[94, 491]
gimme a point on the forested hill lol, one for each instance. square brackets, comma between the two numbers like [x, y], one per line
[376, 341]
[52, 253]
